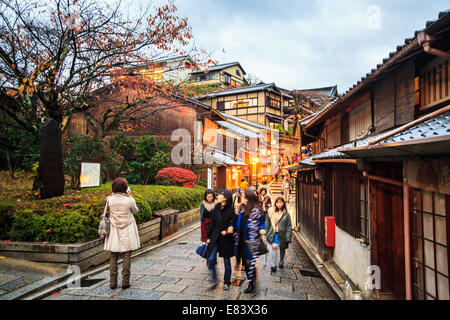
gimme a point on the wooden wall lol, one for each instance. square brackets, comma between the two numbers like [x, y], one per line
[313, 201]
[394, 99]
[346, 182]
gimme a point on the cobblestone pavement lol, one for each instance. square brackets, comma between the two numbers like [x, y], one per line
[176, 272]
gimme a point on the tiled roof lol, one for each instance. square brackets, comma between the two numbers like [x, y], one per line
[330, 91]
[434, 127]
[222, 158]
[308, 162]
[221, 67]
[257, 87]
[250, 123]
[409, 43]
[318, 113]
[336, 154]
[306, 120]
[236, 129]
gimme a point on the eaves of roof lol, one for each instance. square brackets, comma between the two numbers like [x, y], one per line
[400, 52]
[220, 67]
[254, 88]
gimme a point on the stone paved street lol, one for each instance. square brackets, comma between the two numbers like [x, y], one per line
[176, 272]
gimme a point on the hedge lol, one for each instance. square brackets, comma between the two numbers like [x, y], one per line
[78, 222]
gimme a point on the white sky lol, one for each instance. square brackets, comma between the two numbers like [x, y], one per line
[305, 44]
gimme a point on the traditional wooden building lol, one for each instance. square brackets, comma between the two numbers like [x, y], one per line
[253, 144]
[381, 168]
[262, 103]
[223, 76]
[237, 148]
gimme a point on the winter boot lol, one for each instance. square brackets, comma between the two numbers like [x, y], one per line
[113, 269]
[126, 270]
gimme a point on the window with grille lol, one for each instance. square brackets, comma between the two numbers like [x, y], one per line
[429, 248]
[434, 83]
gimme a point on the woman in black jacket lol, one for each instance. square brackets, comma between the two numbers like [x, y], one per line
[220, 239]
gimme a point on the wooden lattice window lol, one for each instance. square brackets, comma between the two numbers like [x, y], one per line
[434, 83]
[429, 244]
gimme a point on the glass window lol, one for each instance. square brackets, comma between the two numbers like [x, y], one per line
[241, 103]
[207, 76]
[443, 291]
[430, 272]
[227, 79]
[238, 73]
[364, 214]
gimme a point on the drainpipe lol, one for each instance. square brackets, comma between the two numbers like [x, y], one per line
[311, 136]
[424, 39]
[407, 240]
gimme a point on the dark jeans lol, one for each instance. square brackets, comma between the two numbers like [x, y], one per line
[212, 261]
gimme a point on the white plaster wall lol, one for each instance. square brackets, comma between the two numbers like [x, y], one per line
[352, 257]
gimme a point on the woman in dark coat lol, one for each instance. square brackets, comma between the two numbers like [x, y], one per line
[250, 230]
[206, 210]
[220, 239]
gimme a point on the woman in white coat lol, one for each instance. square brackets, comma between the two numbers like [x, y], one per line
[123, 236]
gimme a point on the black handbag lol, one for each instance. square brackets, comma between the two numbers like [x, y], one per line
[262, 248]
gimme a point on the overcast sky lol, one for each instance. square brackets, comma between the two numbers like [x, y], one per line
[306, 44]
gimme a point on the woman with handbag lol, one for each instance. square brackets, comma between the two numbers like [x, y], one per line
[220, 239]
[279, 231]
[123, 235]
[249, 236]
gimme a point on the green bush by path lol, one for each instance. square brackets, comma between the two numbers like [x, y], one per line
[6, 217]
[74, 218]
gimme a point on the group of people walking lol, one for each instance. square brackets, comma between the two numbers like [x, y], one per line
[233, 225]
[236, 225]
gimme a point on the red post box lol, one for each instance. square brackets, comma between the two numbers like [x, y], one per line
[330, 237]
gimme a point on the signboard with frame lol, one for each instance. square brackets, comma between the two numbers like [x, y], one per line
[90, 174]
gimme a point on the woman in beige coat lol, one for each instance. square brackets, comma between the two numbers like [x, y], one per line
[123, 236]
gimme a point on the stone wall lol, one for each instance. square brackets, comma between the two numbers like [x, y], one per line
[90, 253]
[188, 217]
[84, 255]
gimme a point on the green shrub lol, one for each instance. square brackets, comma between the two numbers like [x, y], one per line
[122, 145]
[151, 156]
[165, 182]
[22, 146]
[6, 218]
[78, 222]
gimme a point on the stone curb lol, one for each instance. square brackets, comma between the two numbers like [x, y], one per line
[318, 263]
[35, 286]
[31, 292]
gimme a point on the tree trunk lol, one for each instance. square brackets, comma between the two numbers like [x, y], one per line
[51, 160]
[11, 169]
